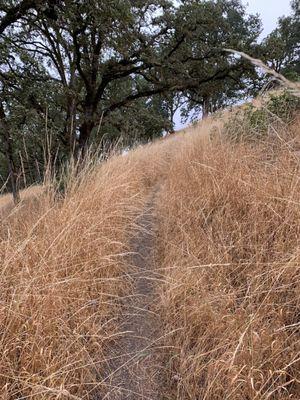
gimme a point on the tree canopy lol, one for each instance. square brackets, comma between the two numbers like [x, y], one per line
[281, 49]
[80, 71]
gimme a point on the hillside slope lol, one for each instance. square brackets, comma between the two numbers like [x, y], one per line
[222, 297]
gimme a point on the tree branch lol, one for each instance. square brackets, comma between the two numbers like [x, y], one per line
[194, 83]
[17, 12]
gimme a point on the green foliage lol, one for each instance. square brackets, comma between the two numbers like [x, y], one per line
[224, 24]
[281, 48]
[139, 122]
[87, 62]
[252, 123]
[284, 106]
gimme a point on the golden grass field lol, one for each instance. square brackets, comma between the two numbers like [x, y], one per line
[227, 246]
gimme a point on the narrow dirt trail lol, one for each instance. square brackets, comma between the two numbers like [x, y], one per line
[134, 371]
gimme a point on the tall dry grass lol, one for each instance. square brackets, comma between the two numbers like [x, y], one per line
[228, 224]
[6, 200]
[63, 273]
[229, 252]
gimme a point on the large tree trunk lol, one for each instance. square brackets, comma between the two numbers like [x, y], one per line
[8, 150]
[85, 131]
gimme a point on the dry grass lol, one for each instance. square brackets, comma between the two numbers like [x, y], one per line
[229, 248]
[6, 200]
[62, 278]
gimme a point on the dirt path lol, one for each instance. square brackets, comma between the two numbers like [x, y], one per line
[134, 370]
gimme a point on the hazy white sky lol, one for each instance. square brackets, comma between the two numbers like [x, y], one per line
[269, 10]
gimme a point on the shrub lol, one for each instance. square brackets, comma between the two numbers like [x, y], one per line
[255, 123]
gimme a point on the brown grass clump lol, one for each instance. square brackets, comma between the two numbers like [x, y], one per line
[62, 280]
[229, 249]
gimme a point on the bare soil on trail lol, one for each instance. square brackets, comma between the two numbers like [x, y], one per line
[135, 370]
